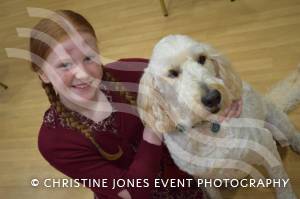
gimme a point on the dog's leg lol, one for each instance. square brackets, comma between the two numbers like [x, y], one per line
[282, 192]
[278, 172]
[287, 131]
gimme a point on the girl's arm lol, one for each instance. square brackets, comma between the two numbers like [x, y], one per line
[81, 160]
[150, 136]
[124, 194]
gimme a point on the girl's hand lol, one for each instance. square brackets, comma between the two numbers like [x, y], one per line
[234, 110]
[152, 137]
[124, 194]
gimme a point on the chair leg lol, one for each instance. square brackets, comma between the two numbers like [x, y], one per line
[3, 85]
[164, 8]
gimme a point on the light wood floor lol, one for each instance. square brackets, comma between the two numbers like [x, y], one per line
[260, 37]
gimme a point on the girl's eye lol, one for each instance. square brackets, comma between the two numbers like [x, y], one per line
[88, 59]
[65, 65]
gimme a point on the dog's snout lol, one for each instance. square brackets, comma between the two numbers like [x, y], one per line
[212, 98]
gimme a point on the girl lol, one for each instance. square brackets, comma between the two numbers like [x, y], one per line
[87, 133]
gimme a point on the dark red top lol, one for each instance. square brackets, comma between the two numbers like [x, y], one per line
[74, 155]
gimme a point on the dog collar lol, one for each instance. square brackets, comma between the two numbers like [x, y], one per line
[215, 127]
[180, 128]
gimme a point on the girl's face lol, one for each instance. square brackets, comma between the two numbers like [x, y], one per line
[73, 68]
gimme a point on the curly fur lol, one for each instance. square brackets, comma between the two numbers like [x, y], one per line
[168, 100]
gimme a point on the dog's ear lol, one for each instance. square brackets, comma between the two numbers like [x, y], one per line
[152, 108]
[224, 70]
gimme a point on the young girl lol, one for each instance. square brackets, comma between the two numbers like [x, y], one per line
[92, 130]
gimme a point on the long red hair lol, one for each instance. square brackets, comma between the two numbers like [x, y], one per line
[40, 45]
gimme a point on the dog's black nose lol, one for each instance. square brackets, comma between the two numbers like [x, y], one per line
[211, 99]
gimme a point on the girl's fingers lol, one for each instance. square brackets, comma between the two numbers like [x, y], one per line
[237, 109]
[232, 112]
[240, 106]
[222, 116]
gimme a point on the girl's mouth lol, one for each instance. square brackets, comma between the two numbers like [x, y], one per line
[82, 86]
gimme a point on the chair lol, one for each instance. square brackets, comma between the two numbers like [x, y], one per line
[3, 85]
[164, 8]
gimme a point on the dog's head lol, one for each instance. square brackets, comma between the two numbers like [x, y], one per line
[185, 83]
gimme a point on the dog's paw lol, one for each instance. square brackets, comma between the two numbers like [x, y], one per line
[295, 143]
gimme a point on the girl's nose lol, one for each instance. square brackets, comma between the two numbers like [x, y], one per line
[80, 73]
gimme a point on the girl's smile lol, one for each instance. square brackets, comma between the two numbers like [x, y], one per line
[74, 69]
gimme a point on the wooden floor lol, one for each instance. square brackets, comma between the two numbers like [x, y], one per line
[260, 37]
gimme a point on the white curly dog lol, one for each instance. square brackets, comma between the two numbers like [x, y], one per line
[185, 87]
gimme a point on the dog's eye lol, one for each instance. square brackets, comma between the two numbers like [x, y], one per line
[173, 73]
[201, 59]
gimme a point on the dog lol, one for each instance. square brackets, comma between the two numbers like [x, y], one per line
[184, 89]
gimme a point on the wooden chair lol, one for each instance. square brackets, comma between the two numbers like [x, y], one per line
[3, 85]
[164, 8]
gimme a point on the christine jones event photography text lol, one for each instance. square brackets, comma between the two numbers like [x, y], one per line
[172, 182]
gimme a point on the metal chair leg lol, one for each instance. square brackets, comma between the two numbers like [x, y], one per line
[164, 8]
[3, 85]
